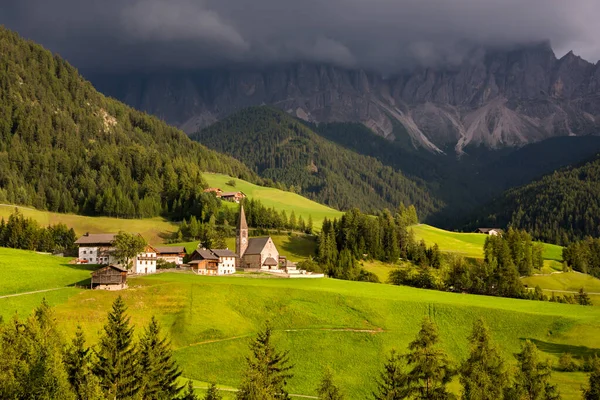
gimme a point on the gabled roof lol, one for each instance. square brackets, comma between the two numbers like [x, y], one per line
[486, 230]
[223, 253]
[231, 194]
[256, 245]
[270, 262]
[203, 254]
[170, 250]
[115, 267]
[97, 238]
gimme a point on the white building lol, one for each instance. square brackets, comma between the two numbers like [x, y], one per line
[145, 263]
[96, 248]
[226, 265]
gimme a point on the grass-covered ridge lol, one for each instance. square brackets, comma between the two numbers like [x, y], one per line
[349, 326]
[468, 244]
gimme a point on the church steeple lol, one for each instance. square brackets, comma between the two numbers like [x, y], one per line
[241, 239]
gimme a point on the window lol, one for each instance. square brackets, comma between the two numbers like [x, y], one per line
[85, 252]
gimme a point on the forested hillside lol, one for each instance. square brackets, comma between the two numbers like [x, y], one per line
[280, 148]
[65, 147]
[559, 208]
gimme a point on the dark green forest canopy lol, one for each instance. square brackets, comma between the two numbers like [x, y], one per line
[65, 147]
[559, 208]
[280, 148]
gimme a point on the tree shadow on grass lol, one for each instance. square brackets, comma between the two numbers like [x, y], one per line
[558, 349]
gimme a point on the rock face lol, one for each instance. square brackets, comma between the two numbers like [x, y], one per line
[495, 99]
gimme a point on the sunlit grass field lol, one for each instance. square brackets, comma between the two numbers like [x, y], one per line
[468, 244]
[348, 326]
[279, 199]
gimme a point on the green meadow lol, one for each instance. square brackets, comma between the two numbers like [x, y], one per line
[348, 326]
[276, 198]
[468, 244]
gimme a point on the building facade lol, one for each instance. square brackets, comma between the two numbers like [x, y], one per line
[145, 262]
[96, 248]
[171, 254]
[213, 261]
[254, 253]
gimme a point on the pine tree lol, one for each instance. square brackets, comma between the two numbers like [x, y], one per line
[117, 366]
[78, 364]
[160, 371]
[533, 376]
[483, 375]
[583, 298]
[393, 381]
[327, 389]
[592, 392]
[430, 368]
[267, 370]
[213, 393]
[309, 225]
[292, 221]
[189, 393]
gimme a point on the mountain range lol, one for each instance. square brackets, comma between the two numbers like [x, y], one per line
[494, 99]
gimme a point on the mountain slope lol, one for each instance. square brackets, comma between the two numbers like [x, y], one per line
[497, 98]
[280, 148]
[65, 147]
[558, 208]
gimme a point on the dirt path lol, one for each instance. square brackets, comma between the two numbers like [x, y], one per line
[34, 292]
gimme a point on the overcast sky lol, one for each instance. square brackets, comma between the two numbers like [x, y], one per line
[377, 34]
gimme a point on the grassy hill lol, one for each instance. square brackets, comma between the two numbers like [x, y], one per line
[349, 326]
[271, 197]
[468, 244]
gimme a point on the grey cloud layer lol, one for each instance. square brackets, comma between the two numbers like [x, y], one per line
[380, 34]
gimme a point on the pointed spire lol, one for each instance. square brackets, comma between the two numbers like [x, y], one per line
[242, 224]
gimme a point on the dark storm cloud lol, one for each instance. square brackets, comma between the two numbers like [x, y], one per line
[381, 34]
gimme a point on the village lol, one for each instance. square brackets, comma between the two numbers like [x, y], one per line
[252, 255]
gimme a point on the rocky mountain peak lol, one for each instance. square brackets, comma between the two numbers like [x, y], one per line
[498, 98]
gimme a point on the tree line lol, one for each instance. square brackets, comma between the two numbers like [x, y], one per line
[23, 233]
[66, 148]
[36, 361]
[584, 256]
[559, 208]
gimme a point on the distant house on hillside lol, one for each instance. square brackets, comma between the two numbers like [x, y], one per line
[213, 261]
[234, 197]
[216, 191]
[171, 254]
[490, 231]
[110, 277]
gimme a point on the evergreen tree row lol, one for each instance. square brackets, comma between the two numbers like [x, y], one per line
[26, 234]
[584, 256]
[65, 147]
[560, 208]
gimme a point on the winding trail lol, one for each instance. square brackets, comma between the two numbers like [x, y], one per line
[34, 292]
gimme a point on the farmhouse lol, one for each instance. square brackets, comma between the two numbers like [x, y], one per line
[216, 191]
[490, 231]
[171, 254]
[234, 197]
[213, 261]
[110, 277]
[96, 248]
[145, 262]
[99, 249]
[255, 253]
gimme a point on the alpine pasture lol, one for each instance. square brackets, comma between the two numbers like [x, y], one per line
[348, 326]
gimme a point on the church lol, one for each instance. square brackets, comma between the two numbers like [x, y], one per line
[254, 253]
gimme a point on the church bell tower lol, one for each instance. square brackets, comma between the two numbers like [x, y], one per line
[241, 238]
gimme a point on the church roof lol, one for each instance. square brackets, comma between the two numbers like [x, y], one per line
[270, 261]
[256, 245]
[242, 224]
